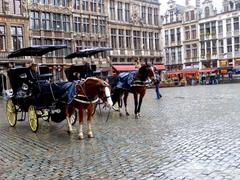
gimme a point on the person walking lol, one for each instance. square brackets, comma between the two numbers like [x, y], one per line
[157, 86]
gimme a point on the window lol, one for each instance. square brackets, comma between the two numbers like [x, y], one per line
[208, 30]
[145, 46]
[157, 42]
[121, 38]
[220, 45]
[93, 6]
[220, 27]
[77, 4]
[2, 38]
[136, 40]
[236, 24]
[120, 11]
[228, 24]
[67, 50]
[229, 45]
[171, 16]
[46, 23]
[112, 9]
[236, 44]
[202, 49]
[36, 41]
[207, 12]
[143, 14]
[79, 45]
[172, 35]
[150, 15]
[213, 28]
[179, 51]
[114, 38]
[94, 26]
[48, 42]
[127, 12]
[208, 44]
[103, 26]
[44, 1]
[187, 33]
[17, 37]
[187, 16]
[214, 47]
[57, 22]
[192, 15]
[201, 30]
[156, 17]
[167, 56]
[35, 20]
[14, 7]
[58, 53]
[150, 40]
[77, 24]
[85, 5]
[65, 3]
[188, 51]
[1, 6]
[178, 36]
[86, 25]
[194, 51]
[57, 2]
[66, 23]
[173, 55]
[101, 6]
[128, 39]
[166, 38]
[194, 31]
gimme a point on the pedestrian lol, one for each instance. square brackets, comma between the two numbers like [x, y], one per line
[157, 86]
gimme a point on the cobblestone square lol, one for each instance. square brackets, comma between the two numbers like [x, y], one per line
[190, 133]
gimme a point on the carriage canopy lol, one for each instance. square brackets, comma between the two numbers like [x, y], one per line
[88, 52]
[37, 50]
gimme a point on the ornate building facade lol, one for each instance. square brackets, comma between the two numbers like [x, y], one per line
[14, 30]
[135, 29]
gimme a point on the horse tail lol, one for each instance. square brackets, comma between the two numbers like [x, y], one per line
[117, 96]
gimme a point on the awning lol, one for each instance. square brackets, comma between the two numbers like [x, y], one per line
[190, 71]
[207, 70]
[173, 73]
[124, 67]
[159, 66]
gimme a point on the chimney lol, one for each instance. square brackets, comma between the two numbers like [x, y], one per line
[197, 3]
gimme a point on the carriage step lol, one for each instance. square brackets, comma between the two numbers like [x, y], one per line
[21, 119]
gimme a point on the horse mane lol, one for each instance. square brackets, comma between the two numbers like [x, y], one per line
[142, 73]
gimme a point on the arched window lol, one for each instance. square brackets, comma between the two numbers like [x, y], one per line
[238, 6]
[231, 5]
[207, 12]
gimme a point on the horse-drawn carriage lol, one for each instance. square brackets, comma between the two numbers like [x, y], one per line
[33, 93]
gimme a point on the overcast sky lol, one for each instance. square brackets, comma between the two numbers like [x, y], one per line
[216, 3]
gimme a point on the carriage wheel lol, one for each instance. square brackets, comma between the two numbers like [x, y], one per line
[73, 118]
[11, 113]
[32, 118]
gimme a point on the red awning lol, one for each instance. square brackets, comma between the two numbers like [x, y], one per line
[190, 71]
[124, 67]
[207, 70]
[159, 66]
[173, 73]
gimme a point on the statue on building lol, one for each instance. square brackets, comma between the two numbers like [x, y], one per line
[23, 7]
[6, 6]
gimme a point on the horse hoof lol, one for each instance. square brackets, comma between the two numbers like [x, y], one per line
[127, 114]
[120, 114]
[80, 136]
[90, 136]
[70, 131]
[136, 116]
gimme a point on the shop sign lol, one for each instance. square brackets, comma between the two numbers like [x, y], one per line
[223, 63]
[224, 71]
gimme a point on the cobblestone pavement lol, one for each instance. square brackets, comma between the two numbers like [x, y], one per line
[191, 133]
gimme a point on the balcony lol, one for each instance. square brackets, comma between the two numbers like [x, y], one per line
[122, 52]
[138, 52]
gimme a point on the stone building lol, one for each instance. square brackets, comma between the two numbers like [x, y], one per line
[135, 28]
[79, 24]
[14, 30]
[172, 31]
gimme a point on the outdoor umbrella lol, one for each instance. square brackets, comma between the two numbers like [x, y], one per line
[37, 50]
[88, 52]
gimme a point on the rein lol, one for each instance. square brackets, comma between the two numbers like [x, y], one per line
[85, 96]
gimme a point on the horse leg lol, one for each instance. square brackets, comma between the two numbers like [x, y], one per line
[139, 106]
[81, 122]
[136, 105]
[125, 102]
[89, 120]
[69, 111]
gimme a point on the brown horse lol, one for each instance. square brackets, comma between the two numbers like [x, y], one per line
[137, 88]
[88, 93]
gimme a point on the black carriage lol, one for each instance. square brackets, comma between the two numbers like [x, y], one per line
[33, 92]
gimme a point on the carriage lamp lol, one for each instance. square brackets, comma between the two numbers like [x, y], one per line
[24, 87]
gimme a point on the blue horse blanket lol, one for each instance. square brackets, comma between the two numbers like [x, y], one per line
[125, 80]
